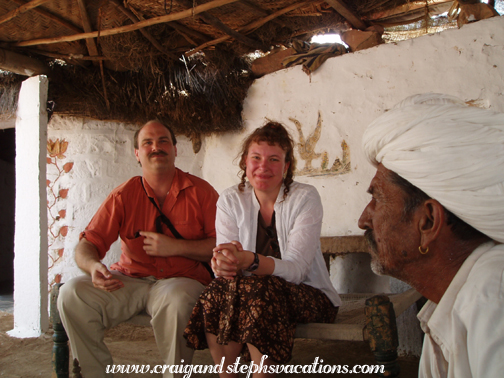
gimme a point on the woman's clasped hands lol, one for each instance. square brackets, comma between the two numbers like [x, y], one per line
[229, 259]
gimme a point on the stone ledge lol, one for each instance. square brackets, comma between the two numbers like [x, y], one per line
[333, 246]
[340, 245]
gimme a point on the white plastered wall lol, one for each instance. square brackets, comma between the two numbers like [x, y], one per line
[349, 92]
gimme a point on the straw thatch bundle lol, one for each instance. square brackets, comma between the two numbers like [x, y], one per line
[198, 95]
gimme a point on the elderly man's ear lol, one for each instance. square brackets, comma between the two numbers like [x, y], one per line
[432, 221]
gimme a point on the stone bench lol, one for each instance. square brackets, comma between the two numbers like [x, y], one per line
[362, 317]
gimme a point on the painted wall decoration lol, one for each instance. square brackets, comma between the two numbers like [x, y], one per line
[56, 210]
[306, 150]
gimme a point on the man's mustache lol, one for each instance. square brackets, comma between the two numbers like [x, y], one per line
[368, 235]
[158, 153]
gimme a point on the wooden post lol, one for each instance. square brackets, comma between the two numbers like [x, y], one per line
[60, 351]
[382, 335]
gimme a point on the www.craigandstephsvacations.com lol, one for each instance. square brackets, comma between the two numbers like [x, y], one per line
[317, 367]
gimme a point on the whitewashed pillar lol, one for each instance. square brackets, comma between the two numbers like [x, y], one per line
[30, 240]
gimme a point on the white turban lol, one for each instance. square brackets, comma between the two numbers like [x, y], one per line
[451, 151]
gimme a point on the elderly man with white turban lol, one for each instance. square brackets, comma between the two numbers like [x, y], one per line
[436, 221]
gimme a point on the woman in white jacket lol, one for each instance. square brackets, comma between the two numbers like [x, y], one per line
[270, 269]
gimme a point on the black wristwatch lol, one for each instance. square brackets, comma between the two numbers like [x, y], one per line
[255, 264]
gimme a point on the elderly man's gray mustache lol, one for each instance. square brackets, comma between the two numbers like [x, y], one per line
[368, 235]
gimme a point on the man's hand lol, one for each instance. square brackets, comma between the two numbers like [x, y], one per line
[103, 279]
[160, 245]
[86, 256]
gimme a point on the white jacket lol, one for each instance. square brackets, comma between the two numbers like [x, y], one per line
[298, 221]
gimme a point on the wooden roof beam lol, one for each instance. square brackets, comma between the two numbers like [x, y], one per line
[24, 8]
[354, 20]
[145, 33]
[22, 64]
[249, 28]
[410, 12]
[187, 32]
[261, 11]
[216, 23]
[183, 30]
[128, 28]
[90, 43]
[53, 17]
[72, 57]
[140, 17]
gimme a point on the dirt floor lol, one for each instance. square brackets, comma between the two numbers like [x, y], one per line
[131, 344]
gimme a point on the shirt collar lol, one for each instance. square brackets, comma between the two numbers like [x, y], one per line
[280, 196]
[180, 182]
[432, 316]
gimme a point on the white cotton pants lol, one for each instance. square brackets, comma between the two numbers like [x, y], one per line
[86, 312]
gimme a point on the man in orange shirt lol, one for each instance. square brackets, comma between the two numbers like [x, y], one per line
[166, 222]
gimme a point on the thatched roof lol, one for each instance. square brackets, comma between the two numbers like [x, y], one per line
[179, 60]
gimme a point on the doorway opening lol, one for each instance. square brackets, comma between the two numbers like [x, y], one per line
[7, 209]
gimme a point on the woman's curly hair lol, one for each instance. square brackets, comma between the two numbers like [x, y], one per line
[271, 133]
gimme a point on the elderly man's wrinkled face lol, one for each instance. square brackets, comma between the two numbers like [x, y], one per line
[392, 238]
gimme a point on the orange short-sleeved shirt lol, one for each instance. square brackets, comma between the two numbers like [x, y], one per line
[190, 205]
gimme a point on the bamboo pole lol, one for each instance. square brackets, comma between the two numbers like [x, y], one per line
[248, 28]
[128, 28]
[23, 8]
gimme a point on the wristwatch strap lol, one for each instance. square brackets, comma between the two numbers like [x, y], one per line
[255, 264]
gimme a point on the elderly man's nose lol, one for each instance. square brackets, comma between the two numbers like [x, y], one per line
[364, 220]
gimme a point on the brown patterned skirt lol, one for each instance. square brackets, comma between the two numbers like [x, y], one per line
[260, 310]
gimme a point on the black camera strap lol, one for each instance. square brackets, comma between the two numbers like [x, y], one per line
[163, 218]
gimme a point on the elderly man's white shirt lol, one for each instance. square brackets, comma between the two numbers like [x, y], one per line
[298, 223]
[465, 331]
